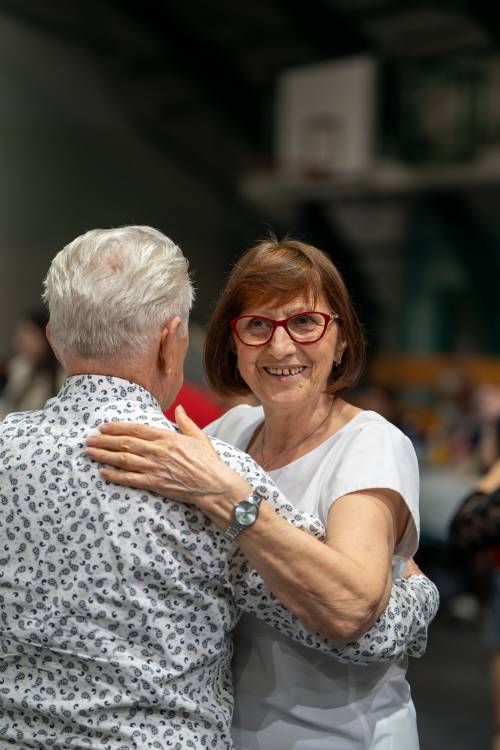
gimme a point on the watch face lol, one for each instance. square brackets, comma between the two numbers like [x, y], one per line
[246, 513]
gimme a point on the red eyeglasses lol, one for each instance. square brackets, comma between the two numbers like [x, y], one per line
[303, 327]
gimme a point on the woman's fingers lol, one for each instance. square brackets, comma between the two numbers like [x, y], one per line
[124, 444]
[132, 429]
[187, 426]
[129, 478]
[125, 461]
[412, 569]
[179, 465]
[185, 423]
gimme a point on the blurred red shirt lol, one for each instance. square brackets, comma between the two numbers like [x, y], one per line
[198, 404]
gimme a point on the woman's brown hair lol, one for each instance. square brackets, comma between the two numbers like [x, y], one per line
[277, 271]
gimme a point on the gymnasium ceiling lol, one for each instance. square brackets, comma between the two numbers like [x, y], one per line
[196, 77]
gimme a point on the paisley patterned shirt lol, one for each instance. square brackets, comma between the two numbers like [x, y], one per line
[117, 606]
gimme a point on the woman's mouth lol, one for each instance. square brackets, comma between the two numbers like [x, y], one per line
[284, 371]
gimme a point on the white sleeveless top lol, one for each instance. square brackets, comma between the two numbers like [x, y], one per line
[287, 697]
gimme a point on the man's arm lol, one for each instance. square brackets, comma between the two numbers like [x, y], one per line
[400, 629]
[186, 467]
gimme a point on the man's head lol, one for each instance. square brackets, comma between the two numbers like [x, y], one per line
[119, 296]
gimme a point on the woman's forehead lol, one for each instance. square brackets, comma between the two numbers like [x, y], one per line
[287, 304]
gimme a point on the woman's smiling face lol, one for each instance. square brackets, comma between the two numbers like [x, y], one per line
[284, 371]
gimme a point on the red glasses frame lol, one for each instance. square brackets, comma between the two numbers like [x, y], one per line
[284, 324]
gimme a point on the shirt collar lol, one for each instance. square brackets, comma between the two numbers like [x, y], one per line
[105, 388]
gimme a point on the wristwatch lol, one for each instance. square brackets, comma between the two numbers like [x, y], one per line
[245, 514]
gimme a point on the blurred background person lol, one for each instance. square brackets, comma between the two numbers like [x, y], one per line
[474, 530]
[32, 374]
[487, 408]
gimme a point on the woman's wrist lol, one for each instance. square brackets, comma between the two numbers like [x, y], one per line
[485, 486]
[219, 506]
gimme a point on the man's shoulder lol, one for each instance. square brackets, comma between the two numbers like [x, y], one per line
[67, 419]
[20, 420]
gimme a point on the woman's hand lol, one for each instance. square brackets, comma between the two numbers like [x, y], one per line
[412, 569]
[181, 466]
[491, 481]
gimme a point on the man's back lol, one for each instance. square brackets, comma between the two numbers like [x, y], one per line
[115, 607]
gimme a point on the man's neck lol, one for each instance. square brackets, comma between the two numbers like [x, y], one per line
[127, 371]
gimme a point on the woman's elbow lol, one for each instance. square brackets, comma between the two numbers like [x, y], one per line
[353, 621]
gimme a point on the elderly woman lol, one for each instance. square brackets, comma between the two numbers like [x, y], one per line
[284, 330]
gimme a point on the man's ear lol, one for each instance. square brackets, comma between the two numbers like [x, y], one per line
[48, 333]
[169, 333]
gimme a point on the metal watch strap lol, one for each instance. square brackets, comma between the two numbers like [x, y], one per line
[235, 527]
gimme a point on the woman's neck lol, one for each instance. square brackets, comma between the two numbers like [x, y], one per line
[287, 434]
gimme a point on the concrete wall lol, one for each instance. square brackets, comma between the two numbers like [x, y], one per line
[70, 161]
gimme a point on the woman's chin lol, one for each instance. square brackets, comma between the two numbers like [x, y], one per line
[288, 395]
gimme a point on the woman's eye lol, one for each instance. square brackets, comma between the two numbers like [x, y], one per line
[303, 320]
[257, 323]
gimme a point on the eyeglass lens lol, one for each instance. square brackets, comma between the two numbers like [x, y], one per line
[301, 327]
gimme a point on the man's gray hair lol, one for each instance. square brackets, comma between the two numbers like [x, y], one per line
[110, 291]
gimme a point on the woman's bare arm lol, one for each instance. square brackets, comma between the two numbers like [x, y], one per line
[338, 588]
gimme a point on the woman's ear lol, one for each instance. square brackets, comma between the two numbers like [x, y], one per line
[339, 351]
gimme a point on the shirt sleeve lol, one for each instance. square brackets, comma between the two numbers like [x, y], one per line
[376, 456]
[401, 629]
[232, 423]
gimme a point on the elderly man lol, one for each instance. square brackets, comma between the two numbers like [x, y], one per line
[116, 607]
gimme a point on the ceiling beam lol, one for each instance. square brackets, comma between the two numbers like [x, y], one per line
[211, 68]
[61, 22]
[330, 32]
[487, 17]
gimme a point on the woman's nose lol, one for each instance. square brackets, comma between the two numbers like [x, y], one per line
[281, 343]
